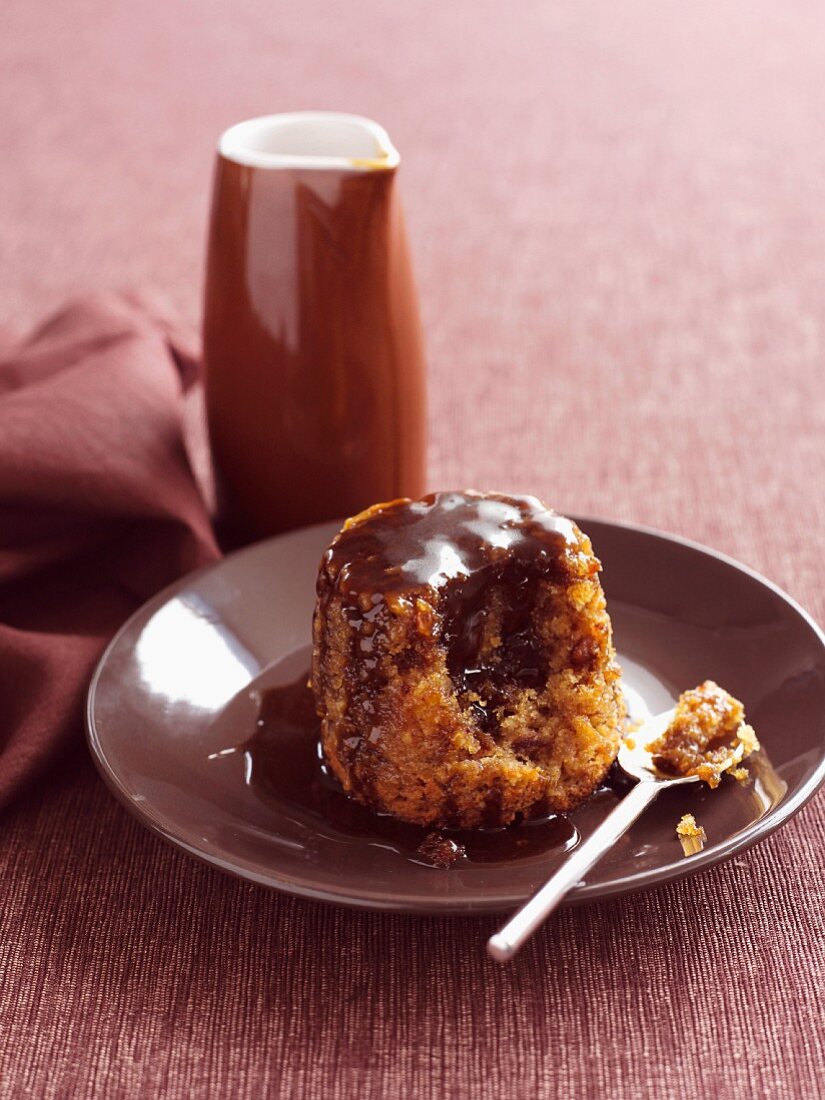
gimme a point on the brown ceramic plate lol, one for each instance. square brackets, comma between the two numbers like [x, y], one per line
[177, 691]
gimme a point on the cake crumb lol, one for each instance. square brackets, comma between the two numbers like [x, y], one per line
[741, 775]
[691, 836]
[747, 738]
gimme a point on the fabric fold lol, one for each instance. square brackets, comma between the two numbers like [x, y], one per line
[99, 507]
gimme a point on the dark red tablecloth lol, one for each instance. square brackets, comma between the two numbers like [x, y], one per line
[618, 214]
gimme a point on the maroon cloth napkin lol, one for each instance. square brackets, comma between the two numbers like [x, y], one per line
[98, 506]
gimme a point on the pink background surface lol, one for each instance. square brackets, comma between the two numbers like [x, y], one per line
[617, 218]
[615, 208]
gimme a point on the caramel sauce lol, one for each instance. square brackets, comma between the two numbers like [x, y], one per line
[285, 764]
[447, 537]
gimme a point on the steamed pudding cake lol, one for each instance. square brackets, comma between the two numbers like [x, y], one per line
[463, 665]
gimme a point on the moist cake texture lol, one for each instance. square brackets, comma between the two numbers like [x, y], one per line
[463, 666]
[708, 735]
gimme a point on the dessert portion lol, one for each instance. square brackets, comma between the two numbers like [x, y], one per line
[463, 665]
[707, 737]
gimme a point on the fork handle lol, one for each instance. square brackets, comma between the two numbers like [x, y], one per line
[505, 943]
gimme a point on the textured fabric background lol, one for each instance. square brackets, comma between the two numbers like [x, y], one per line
[618, 214]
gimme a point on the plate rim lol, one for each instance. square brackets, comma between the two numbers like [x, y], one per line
[581, 894]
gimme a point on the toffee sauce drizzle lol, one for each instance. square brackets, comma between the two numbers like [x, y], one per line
[287, 765]
[408, 545]
[459, 544]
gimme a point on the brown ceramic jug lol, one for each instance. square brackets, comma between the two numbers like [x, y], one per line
[314, 371]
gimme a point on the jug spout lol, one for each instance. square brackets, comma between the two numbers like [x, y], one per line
[310, 139]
